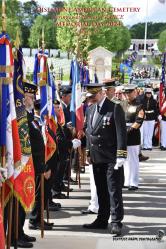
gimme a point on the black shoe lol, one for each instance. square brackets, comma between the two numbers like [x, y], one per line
[125, 187]
[37, 226]
[73, 182]
[133, 188]
[48, 223]
[53, 207]
[22, 244]
[115, 229]
[54, 204]
[87, 211]
[162, 148]
[66, 189]
[28, 238]
[143, 158]
[59, 196]
[147, 149]
[97, 224]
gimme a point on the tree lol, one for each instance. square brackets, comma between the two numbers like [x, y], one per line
[28, 14]
[86, 30]
[137, 31]
[49, 31]
[162, 41]
[13, 20]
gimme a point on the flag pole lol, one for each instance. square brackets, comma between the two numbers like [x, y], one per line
[17, 45]
[42, 175]
[3, 16]
[3, 149]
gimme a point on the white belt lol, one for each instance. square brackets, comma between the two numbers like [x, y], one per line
[149, 111]
[129, 124]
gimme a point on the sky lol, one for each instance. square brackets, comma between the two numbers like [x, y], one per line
[156, 10]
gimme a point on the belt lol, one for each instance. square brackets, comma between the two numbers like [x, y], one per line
[129, 124]
[149, 111]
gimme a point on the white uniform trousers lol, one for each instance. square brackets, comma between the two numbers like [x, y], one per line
[93, 206]
[163, 133]
[142, 134]
[131, 166]
[148, 129]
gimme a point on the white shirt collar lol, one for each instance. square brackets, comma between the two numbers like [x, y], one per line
[101, 103]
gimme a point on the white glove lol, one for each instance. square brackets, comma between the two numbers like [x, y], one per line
[119, 163]
[76, 143]
[3, 175]
[159, 117]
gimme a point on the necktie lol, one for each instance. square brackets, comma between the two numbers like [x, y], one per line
[96, 114]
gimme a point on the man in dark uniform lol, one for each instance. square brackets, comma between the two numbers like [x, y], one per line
[65, 100]
[106, 149]
[109, 85]
[24, 240]
[38, 154]
[134, 115]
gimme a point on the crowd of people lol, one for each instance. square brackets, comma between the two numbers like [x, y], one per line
[145, 73]
[119, 123]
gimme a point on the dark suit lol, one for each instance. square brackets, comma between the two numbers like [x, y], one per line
[38, 155]
[67, 114]
[106, 141]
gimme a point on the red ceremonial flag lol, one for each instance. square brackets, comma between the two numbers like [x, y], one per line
[24, 184]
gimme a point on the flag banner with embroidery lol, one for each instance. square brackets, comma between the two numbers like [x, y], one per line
[9, 137]
[42, 79]
[24, 184]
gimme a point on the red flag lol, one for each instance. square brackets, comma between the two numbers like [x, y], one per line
[24, 184]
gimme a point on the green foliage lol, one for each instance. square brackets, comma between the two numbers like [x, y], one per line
[162, 42]
[137, 31]
[49, 32]
[79, 39]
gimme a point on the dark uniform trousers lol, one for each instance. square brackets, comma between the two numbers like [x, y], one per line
[109, 182]
[21, 220]
[106, 141]
[35, 215]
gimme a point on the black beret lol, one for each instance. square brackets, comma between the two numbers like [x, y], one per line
[29, 87]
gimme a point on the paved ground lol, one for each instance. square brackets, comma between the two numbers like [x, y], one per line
[145, 214]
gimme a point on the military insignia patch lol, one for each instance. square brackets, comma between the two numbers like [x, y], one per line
[24, 136]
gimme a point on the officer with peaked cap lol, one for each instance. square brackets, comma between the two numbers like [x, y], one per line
[106, 149]
[109, 85]
[134, 115]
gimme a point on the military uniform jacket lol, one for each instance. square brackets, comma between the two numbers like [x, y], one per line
[37, 144]
[107, 139]
[134, 116]
[150, 108]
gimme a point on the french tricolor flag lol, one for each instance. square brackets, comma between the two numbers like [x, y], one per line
[9, 136]
[76, 107]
